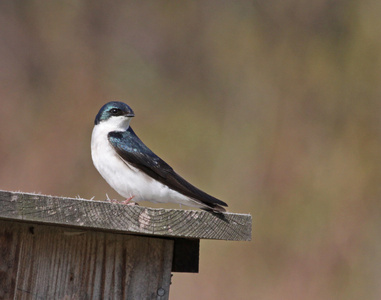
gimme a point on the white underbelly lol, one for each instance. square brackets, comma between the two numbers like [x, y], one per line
[127, 180]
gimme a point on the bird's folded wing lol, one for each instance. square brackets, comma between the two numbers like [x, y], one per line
[131, 149]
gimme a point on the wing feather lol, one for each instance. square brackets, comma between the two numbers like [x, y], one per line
[130, 148]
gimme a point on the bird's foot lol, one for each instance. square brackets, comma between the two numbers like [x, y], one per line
[127, 201]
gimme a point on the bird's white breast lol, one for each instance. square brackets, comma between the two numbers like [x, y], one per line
[125, 179]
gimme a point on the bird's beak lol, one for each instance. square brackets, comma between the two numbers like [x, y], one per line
[130, 113]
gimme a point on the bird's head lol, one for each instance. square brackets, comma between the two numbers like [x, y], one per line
[116, 115]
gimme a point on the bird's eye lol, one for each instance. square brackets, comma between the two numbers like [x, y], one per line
[115, 111]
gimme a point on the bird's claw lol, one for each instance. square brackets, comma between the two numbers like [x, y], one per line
[127, 201]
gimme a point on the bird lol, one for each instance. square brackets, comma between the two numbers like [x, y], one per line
[133, 170]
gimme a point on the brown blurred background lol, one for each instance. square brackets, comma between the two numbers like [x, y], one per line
[272, 106]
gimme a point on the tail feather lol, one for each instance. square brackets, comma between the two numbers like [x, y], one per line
[215, 209]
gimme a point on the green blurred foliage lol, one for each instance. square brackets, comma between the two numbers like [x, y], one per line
[272, 106]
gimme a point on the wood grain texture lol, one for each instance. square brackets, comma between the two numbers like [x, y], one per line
[50, 262]
[113, 217]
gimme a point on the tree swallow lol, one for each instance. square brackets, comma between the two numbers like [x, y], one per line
[133, 170]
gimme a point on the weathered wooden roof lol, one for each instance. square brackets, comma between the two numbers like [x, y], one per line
[114, 217]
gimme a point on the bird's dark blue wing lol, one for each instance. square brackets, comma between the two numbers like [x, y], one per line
[130, 148]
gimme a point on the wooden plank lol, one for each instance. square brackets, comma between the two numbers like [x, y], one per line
[54, 262]
[108, 216]
[10, 244]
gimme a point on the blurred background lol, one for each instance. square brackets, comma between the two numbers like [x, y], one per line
[272, 106]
